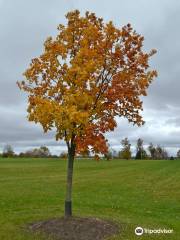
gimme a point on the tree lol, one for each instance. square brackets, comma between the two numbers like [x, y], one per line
[63, 155]
[139, 148]
[152, 151]
[178, 153]
[43, 151]
[125, 153]
[157, 152]
[161, 153]
[140, 152]
[109, 154]
[85, 154]
[90, 73]
[8, 151]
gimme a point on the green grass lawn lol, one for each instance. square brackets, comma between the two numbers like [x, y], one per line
[132, 193]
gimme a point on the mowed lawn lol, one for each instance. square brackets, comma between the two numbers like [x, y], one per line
[131, 193]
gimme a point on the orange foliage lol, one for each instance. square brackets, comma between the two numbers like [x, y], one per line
[90, 73]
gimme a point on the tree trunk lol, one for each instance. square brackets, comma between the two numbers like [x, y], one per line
[70, 162]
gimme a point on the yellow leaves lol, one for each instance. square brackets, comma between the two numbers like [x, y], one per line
[79, 117]
[111, 32]
[40, 110]
[47, 43]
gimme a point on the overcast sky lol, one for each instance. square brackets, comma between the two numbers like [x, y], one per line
[26, 24]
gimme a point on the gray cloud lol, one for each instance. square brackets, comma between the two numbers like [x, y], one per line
[26, 24]
[175, 121]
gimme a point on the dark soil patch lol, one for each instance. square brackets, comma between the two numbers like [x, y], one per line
[75, 228]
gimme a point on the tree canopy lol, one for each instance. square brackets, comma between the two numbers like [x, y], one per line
[89, 73]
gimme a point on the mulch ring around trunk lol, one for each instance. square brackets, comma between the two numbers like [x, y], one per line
[75, 228]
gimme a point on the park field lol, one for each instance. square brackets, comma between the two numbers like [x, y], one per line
[132, 193]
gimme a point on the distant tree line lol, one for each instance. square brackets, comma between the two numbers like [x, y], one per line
[42, 151]
[151, 152]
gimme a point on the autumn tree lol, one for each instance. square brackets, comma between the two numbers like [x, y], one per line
[125, 152]
[88, 74]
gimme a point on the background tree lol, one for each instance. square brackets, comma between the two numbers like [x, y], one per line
[152, 151]
[109, 154]
[165, 154]
[43, 151]
[140, 151]
[139, 148]
[8, 151]
[125, 153]
[85, 153]
[157, 152]
[63, 155]
[178, 153]
[161, 153]
[90, 73]
[141, 154]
